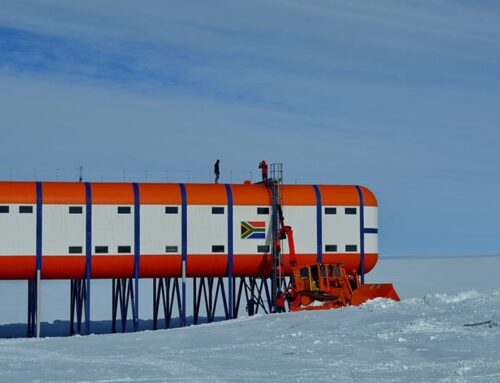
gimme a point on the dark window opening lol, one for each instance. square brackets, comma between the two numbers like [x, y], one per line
[4, 209]
[351, 248]
[351, 210]
[170, 249]
[330, 210]
[75, 249]
[124, 209]
[75, 210]
[217, 210]
[26, 209]
[304, 273]
[171, 210]
[124, 249]
[101, 249]
[262, 210]
[333, 271]
[263, 249]
[314, 278]
[331, 248]
[217, 249]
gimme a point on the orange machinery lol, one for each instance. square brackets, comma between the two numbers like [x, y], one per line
[326, 286]
[323, 286]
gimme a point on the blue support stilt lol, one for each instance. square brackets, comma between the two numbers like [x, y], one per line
[230, 250]
[137, 252]
[88, 253]
[183, 251]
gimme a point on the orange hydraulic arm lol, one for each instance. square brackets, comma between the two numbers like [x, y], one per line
[286, 232]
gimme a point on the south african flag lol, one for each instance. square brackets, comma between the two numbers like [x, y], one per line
[253, 230]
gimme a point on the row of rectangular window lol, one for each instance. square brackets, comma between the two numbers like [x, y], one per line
[221, 249]
[22, 209]
[334, 248]
[173, 210]
[126, 209]
[168, 249]
[347, 210]
[99, 249]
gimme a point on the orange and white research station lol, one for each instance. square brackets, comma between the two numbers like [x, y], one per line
[216, 230]
[218, 237]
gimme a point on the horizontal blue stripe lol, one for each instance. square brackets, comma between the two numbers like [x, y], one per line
[257, 236]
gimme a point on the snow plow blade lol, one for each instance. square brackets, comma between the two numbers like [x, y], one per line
[371, 291]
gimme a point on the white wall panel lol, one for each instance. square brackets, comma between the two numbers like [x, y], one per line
[371, 217]
[341, 229]
[371, 243]
[302, 219]
[249, 213]
[112, 229]
[18, 231]
[205, 229]
[61, 230]
[159, 230]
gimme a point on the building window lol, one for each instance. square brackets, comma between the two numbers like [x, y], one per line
[101, 249]
[262, 210]
[330, 210]
[351, 248]
[75, 249]
[26, 209]
[351, 210]
[124, 209]
[75, 210]
[171, 210]
[263, 249]
[4, 209]
[170, 249]
[217, 249]
[217, 210]
[124, 249]
[331, 248]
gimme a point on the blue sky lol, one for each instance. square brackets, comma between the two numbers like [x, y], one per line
[402, 97]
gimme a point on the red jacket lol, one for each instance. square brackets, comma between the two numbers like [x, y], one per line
[280, 300]
[263, 166]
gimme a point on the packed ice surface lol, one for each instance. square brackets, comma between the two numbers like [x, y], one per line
[424, 338]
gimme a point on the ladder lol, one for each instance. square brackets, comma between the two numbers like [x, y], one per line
[275, 181]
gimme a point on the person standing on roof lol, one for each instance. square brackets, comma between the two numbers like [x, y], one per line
[217, 171]
[263, 168]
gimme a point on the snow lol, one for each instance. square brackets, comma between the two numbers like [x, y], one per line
[424, 338]
[314, 304]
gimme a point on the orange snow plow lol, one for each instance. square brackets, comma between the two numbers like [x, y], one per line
[323, 286]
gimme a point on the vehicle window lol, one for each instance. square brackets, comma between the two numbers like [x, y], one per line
[304, 273]
[323, 271]
[330, 270]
